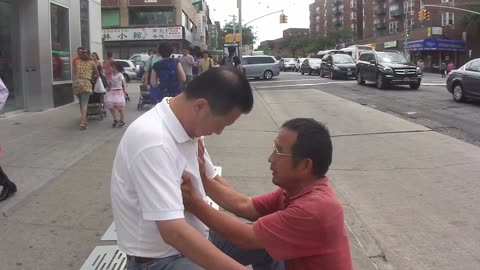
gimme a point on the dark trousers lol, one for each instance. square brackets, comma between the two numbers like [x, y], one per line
[4, 181]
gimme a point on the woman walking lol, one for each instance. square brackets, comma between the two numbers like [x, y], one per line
[115, 99]
[85, 70]
[206, 63]
[169, 75]
[9, 188]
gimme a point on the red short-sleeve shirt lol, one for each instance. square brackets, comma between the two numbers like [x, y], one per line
[306, 231]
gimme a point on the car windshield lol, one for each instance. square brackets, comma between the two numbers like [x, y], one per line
[342, 59]
[391, 58]
[315, 61]
[289, 60]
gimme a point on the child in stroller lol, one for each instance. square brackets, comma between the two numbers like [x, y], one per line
[96, 105]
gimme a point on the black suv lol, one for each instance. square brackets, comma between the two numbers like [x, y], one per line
[387, 68]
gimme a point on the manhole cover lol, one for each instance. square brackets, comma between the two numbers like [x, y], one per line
[105, 258]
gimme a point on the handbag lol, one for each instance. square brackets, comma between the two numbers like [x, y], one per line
[99, 88]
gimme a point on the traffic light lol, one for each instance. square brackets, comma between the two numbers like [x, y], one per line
[283, 18]
[421, 16]
[426, 14]
[407, 32]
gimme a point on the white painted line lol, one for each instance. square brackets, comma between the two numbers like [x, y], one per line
[105, 258]
[410, 113]
[433, 84]
[304, 84]
[274, 81]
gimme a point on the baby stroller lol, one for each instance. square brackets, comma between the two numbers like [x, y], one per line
[144, 97]
[96, 106]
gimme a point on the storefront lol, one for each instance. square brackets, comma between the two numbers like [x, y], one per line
[38, 42]
[124, 42]
[434, 51]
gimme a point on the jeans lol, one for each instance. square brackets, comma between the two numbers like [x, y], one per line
[187, 81]
[258, 258]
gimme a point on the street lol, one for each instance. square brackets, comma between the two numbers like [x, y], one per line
[410, 194]
[431, 106]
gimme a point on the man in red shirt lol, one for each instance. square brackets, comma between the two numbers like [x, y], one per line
[302, 222]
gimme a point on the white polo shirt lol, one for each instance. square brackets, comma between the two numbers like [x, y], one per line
[146, 178]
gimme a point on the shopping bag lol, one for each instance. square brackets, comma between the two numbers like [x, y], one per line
[99, 88]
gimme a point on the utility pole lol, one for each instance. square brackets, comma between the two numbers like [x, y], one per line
[239, 6]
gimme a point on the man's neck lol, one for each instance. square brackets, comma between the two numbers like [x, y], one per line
[176, 105]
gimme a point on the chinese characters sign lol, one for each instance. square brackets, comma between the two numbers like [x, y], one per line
[154, 33]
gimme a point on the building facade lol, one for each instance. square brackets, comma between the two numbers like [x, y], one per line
[296, 31]
[384, 24]
[135, 26]
[38, 40]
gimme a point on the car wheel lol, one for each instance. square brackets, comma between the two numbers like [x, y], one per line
[321, 73]
[268, 75]
[301, 71]
[332, 75]
[415, 85]
[380, 82]
[127, 78]
[457, 93]
[360, 80]
[309, 72]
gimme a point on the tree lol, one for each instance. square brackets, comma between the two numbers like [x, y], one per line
[265, 48]
[471, 20]
[295, 44]
[247, 35]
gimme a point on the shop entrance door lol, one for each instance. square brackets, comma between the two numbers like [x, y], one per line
[9, 60]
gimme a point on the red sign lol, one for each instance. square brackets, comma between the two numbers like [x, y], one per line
[110, 3]
[150, 3]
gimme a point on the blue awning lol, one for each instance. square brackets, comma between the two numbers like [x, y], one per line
[436, 44]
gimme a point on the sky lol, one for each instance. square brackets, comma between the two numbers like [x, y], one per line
[266, 28]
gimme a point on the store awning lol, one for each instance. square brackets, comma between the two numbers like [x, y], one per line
[436, 44]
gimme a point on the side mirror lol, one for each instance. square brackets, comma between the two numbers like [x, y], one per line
[373, 62]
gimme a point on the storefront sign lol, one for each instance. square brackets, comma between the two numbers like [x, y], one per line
[148, 3]
[436, 44]
[436, 30]
[154, 33]
[390, 44]
[110, 3]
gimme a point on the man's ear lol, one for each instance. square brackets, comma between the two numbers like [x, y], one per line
[199, 105]
[306, 166]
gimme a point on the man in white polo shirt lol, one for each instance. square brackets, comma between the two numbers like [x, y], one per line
[152, 226]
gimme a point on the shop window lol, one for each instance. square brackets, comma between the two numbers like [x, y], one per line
[60, 31]
[110, 17]
[164, 16]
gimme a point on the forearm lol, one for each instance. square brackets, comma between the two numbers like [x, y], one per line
[228, 198]
[230, 228]
[190, 243]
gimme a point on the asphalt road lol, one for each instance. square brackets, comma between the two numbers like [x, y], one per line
[431, 105]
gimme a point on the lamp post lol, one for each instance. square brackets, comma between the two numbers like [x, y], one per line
[240, 31]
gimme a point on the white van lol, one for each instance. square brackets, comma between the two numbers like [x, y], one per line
[355, 50]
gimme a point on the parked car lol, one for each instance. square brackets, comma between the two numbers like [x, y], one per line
[464, 83]
[139, 61]
[298, 64]
[387, 68]
[310, 66]
[288, 64]
[338, 66]
[129, 69]
[260, 66]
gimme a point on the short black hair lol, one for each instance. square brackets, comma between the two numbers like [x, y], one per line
[313, 142]
[223, 88]
[165, 49]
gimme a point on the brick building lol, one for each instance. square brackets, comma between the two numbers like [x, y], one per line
[382, 24]
[296, 31]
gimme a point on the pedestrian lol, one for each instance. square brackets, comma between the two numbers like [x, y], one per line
[168, 76]
[82, 86]
[107, 66]
[115, 99]
[187, 62]
[155, 95]
[196, 68]
[206, 63]
[300, 223]
[152, 226]
[95, 58]
[420, 65]
[8, 187]
[232, 60]
[77, 58]
[450, 67]
[443, 68]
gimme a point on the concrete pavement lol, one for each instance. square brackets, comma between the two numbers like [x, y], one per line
[405, 208]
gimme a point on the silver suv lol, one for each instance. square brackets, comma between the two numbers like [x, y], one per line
[260, 66]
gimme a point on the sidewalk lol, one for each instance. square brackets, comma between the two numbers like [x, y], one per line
[384, 169]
